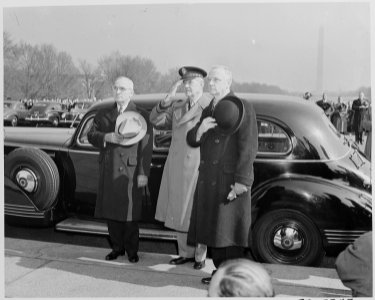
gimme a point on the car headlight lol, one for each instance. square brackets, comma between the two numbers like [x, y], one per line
[63, 115]
[80, 116]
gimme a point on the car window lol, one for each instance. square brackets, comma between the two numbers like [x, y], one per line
[82, 137]
[272, 139]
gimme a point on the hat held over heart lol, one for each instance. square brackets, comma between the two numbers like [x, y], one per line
[131, 126]
[229, 113]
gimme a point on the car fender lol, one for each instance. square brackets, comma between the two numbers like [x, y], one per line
[329, 204]
[16, 194]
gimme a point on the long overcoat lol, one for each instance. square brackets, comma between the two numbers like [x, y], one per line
[359, 114]
[119, 197]
[225, 159]
[181, 168]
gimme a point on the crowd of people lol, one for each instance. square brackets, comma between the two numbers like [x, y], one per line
[349, 117]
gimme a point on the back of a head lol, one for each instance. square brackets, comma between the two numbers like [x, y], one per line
[241, 278]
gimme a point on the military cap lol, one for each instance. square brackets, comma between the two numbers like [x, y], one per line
[191, 72]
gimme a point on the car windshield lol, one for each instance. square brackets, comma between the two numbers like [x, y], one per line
[331, 143]
[82, 105]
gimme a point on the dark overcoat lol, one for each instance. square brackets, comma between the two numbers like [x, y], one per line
[225, 159]
[119, 197]
[359, 114]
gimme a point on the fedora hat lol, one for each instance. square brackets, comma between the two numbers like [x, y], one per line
[229, 113]
[131, 126]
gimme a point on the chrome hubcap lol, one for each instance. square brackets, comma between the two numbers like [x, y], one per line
[287, 238]
[27, 180]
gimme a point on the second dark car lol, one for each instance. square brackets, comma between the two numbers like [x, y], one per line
[45, 113]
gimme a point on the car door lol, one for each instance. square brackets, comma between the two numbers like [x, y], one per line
[84, 158]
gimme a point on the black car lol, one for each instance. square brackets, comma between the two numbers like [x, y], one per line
[75, 114]
[45, 113]
[14, 113]
[311, 194]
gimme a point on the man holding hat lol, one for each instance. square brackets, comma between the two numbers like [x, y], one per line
[227, 135]
[125, 142]
[181, 168]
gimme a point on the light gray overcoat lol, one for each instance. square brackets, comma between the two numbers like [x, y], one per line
[181, 168]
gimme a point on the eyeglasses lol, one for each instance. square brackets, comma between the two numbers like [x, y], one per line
[120, 88]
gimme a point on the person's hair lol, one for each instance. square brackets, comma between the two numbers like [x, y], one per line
[126, 79]
[241, 278]
[227, 72]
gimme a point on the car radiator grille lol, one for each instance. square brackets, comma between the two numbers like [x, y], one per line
[342, 236]
[22, 211]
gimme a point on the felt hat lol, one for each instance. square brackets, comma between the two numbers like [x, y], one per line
[132, 126]
[229, 113]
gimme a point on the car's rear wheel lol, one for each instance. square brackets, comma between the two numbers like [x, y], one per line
[14, 121]
[36, 174]
[287, 237]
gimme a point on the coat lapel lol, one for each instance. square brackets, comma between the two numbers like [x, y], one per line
[195, 110]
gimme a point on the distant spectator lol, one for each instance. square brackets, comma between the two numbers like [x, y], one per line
[339, 116]
[359, 107]
[325, 105]
[241, 278]
[367, 126]
[307, 96]
[354, 266]
[29, 104]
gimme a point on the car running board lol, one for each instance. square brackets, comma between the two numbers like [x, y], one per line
[93, 227]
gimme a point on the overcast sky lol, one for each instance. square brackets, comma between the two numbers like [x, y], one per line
[272, 43]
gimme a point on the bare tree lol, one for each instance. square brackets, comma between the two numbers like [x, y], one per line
[141, 70]
[92, 79]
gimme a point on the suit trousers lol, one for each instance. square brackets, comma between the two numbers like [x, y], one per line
[220, 255]
[184, 250]
[124, 236]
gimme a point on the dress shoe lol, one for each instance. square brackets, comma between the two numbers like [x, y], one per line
[114, 254]
[199, 265]
[181, 260]
[134, 258]
[206, 280]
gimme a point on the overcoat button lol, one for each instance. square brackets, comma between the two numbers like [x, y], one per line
[217, 141]
[213, 183]
[121, 154]
[202, 162]
[120, 169]
[215, 162]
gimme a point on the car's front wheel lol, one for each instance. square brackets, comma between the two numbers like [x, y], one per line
[35, 173]
[287, 237]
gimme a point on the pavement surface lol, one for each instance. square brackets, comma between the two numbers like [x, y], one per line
[47, 269]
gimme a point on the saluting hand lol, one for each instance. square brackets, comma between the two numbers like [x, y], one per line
[172, 92]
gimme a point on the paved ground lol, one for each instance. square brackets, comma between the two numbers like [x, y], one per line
[44, 269]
